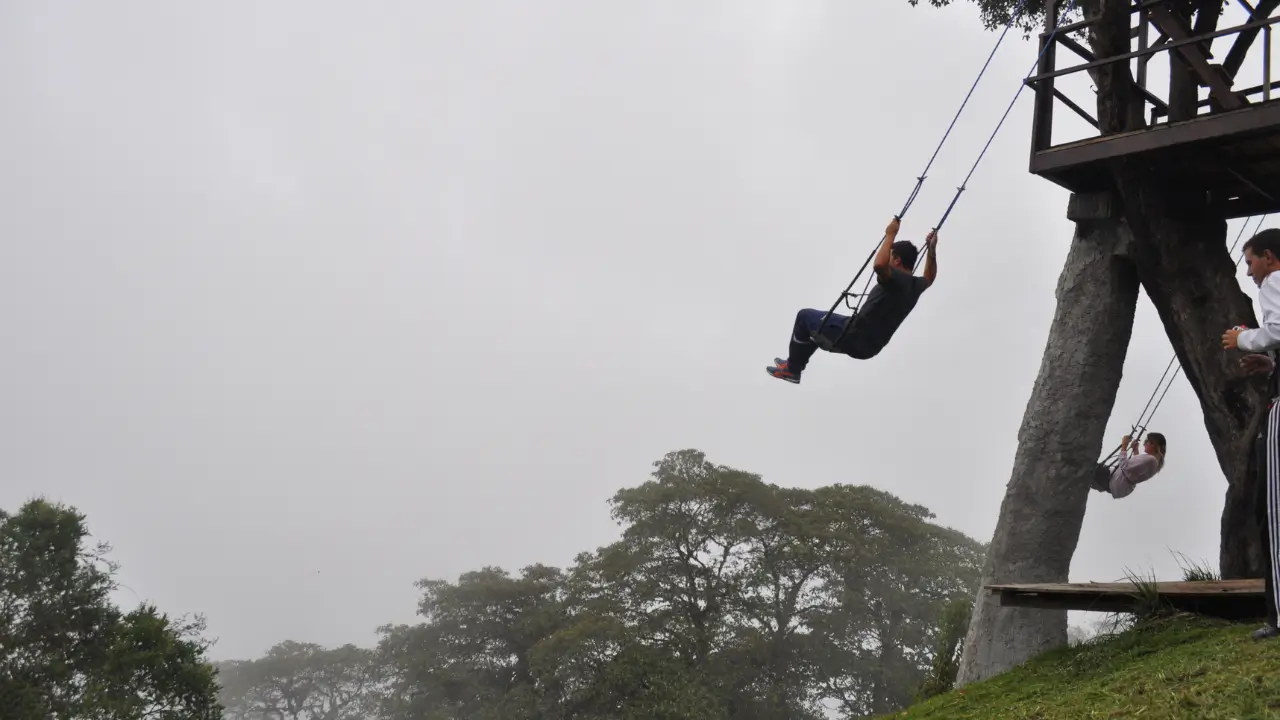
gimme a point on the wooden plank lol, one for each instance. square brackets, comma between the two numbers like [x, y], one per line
[1236, 599]
[1205, 588]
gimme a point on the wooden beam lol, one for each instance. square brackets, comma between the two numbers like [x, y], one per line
[1078, 110]
[1240, 48]
[1042, 115]
[1197, 588]
[1088, 56]
[1246, 92]
[1218, 82]
[1075, 47]
[1144, 25]
[1155, 47]
[1236, 599]
[1232, 607]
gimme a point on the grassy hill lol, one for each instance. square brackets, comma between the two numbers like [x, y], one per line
[1180, 667]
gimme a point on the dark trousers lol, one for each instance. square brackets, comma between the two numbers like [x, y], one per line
[1267, 505]
[802, 345]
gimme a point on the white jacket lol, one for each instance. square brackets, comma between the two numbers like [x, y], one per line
[1265, 339]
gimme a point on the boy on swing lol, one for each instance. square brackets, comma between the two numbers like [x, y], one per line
[894, 297]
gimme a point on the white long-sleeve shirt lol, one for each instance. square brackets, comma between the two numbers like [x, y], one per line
[1265, 339]
[1132, 469]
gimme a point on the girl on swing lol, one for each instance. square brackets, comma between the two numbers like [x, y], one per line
[1132, 467]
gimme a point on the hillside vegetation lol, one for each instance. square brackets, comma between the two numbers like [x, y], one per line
[1179, 667]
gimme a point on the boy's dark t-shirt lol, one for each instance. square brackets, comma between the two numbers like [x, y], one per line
[882, 312]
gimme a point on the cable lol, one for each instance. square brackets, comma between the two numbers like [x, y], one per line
[844, 296]
[1070, 6]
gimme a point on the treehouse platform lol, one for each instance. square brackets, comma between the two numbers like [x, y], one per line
[1223, 148]
[1228, 599]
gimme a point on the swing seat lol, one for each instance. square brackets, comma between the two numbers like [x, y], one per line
[1101, 480]
[822, 341]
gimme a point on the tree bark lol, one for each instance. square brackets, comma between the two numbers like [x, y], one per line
[1062, 430]
[1181, 256]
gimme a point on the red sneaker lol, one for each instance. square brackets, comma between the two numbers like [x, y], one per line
[781, 372]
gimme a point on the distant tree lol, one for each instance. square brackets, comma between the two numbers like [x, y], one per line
[66, 651]
[302, 681]
[766, 602]
[472, 657]
[897, 574]
[725, 598]
[713, 575]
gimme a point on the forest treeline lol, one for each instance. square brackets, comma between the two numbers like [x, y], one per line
[724, 597]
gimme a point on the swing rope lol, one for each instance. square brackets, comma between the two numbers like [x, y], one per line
[1002, 118]
[1021, 86]
[915, 191]
[829, 344]
[1138, 428]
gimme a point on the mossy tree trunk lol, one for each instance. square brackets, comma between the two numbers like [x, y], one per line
[1062, 429]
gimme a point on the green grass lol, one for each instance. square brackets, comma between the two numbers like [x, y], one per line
[1173, 667]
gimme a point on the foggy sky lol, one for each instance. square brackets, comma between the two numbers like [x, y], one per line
[306, 301]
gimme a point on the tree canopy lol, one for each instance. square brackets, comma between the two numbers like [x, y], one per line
[995, 14]
[66, 651]
[724, 597]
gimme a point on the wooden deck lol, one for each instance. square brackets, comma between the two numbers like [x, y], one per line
[1231, 599]
[1234, 155]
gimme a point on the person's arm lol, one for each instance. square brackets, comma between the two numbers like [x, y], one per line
[931, 259]
[1141, 467]
[1266, 337]
[884, 272]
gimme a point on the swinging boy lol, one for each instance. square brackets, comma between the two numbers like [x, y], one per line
[874, 323]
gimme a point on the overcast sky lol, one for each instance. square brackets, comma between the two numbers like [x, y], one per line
[303, 302]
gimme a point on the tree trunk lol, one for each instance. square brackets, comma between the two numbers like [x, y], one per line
[1062, 431]
[1180, 253]
[1183, 265]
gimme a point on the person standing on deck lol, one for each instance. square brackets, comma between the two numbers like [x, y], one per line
[1262, 255]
